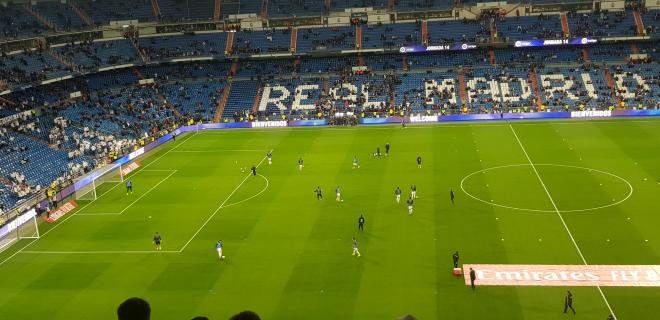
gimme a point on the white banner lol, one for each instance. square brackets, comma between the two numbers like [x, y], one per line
[564, 275]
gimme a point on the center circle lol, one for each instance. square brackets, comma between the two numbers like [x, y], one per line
[572, 188]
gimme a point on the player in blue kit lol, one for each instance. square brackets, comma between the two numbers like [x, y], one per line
[300, 164]
[410, 205]
[397, 192]
[129, 186]
[218, 248]
[338, 192]
[355, 248]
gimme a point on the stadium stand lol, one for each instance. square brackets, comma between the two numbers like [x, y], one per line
[15, 23]
[66, 136]
[458, 31]
[60, 14]
[529, 27]
[604, 23]
[391, 35]
[313, 39]
[256, 42]
[295, 7]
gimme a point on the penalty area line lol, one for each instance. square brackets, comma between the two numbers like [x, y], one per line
[132, 203]
[85, 206]
[220, 150]
[98, 252]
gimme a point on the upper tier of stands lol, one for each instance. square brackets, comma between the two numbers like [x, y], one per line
[50, 63]
[19, 20]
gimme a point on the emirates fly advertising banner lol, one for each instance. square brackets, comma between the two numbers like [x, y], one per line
[564, 275]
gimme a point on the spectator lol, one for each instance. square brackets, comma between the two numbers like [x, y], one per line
[134, 309]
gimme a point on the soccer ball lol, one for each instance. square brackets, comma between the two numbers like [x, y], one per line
[223, 257]
[342, 200]
[149, 217]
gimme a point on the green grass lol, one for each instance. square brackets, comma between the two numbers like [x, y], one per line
[289, 255]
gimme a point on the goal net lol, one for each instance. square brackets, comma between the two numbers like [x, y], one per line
[87, 187]
[23, 226]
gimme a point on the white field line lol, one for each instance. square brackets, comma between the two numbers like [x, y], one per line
[134, 202]
[97, 252]
[583, 121]
[168, 151]
[554, 205]
[253, 196]
[85, 206]
[219, 207]
[220, 150]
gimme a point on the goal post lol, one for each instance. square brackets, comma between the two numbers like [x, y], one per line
[87, 187]
[24, 226]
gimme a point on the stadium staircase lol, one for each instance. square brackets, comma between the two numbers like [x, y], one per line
[220, 108]
[404, 61]
[425, 33]
[634, 49]
[61, 59]
[391, 4]
[462, 90]
[358, 37]
[163, 102]
[493, 31]
[156, 9]
[564, 25]
[294, 39]
[217, 10]
[514, 9]
[138, 73]
[326, 86]
[257, 99]
[264, 9]
[81, 14]
[360, 61]
[639, 23]
[611, 85]
[7, 101]
[491, 55]
[585, 56]
[229, 47]
[143, 56]
[49, 24]
[296, 64]
[326, 4]
[233, 68]
[533, 78]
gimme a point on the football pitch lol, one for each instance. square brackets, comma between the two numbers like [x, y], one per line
[544, 192]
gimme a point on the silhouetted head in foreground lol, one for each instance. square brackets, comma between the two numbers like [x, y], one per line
[245, 315]
[134, 309]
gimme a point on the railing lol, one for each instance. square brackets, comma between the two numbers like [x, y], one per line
[21, 206]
